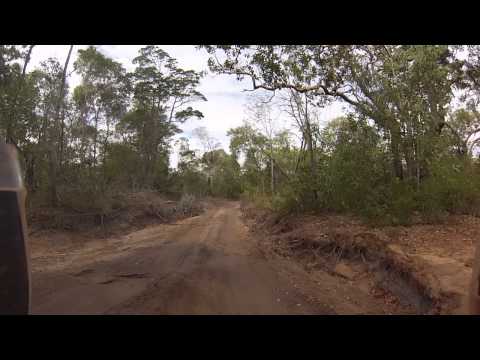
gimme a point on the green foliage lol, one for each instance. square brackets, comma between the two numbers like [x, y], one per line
[224, 180]
[453, 187]
[122, 167]
[110, 135]
[405, 151]
[287, 200]
[354, 167]
[400, 154]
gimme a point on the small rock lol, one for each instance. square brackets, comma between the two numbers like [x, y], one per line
[344, 270]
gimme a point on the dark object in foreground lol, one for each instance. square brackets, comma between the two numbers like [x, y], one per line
[14, 267]
[475, 284]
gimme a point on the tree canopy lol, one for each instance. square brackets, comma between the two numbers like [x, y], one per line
[406, 146]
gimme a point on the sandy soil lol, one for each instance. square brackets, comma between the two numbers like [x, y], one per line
[202, 265]
[225, 262]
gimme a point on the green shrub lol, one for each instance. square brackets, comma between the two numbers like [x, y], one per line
[452, 187]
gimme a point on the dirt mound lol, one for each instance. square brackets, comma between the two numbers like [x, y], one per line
[428, 279]
[57, 232]
[129, 212]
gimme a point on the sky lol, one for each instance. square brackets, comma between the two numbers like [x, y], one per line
[225, 105]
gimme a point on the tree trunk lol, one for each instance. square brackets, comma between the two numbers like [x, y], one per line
[9, 138]
[313, 167]
[299, 157]
[272, 179]
[27, 158]
[62, 139]
[53, 176]
[410, 160]
[30, 171]
[95, 138]
[312, 161]
[53, 163]
[395, 140]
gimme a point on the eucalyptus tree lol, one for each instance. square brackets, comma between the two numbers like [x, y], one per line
[51, 87]
[260, 116]
[210, 145]
[163, 94]
[102, 97]
[405, 90]
[15, 93]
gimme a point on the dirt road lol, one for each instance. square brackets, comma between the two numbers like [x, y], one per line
[202, 265]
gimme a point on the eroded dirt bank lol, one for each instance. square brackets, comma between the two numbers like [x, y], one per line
[422, 269]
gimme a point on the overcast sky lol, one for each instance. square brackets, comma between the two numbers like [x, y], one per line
[225, 107]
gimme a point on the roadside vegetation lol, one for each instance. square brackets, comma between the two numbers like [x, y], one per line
[83, 150]
[405, 151]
